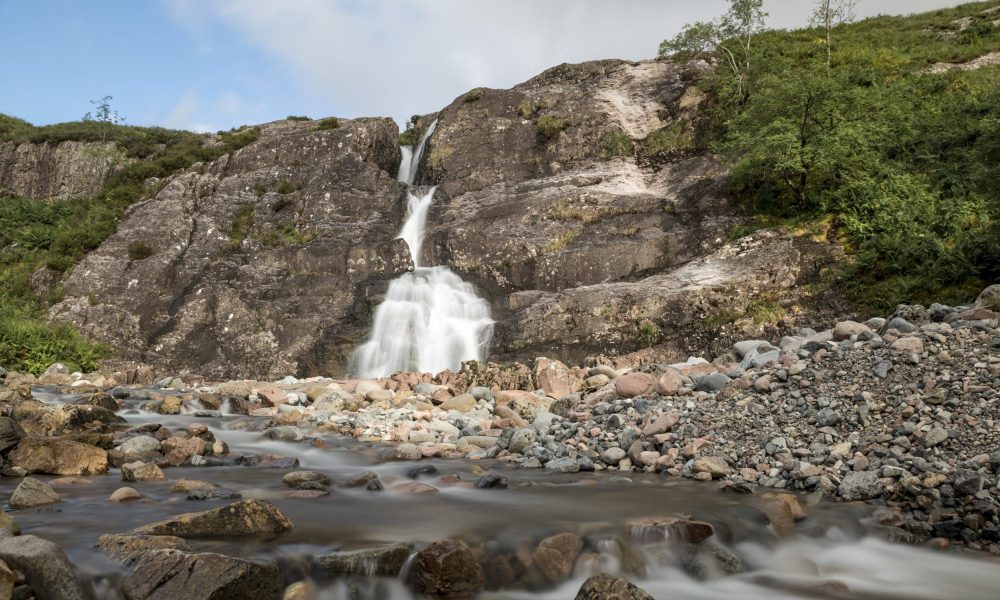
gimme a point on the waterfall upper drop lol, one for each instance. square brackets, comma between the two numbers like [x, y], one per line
[430, 319]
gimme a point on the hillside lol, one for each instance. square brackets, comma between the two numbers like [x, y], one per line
[644, 211]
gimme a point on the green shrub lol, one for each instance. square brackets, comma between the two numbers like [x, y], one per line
[242, 225]
[474, 94]
[139, 250]
[29, 343]
[328, 123]
[283, 235]
[672, 139]
[410, 137]
[285, 187]
[649, 334]
[297, 118]
[551, 126]
[530, 108]
[617, 143]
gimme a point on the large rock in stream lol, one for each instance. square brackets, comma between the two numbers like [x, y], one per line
[256, 518]
[58, 457]
[174, 575]
[45, 566]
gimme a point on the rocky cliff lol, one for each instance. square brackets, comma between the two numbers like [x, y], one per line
[63, 170]
[580, 202]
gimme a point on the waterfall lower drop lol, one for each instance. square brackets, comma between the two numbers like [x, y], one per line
[430, 319]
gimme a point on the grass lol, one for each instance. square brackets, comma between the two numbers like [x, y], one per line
[550, 126]
[328, 123]
[530, 108]
[649, 334]
[560, 242]
[671, 140]
[139, 250]
[473, 95]
[242, 225]
[567, 210]
[283, 235]
[285, 187]
[617, 144]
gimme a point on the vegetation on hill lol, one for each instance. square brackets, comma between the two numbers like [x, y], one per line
[861, 132]
[55, 235]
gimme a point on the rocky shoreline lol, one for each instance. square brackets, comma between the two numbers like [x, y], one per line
[900, 413]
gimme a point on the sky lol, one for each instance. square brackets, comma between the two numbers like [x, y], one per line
[209, 65]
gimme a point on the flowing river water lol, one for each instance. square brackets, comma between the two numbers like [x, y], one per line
[830, 555]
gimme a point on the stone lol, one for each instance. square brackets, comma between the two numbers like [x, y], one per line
[844, 330]
[7, 581]
[140, 443]
[125, 494]
[32, 492]
[716, 466]
[669, 528]
[989, 298]
[306, 480]
[712, 382]
[446, 569]
[183, 486]
[562, 465]
[384, 560]
[608, 587]
[8, 524]
[555, 379]
[129, 548]
[460, 403]
[613, 455]
[669, 383]
[908, 344]
[140, 471]
[748, 346]
[522, 440]
[380, 396]
[171, 405]
[44, 565]
[56, 456]
[416, 488]
[255, 518]
[860, 485]
[555, 556]
[934, 437]
[169, 574]
[10, 433]
[634, 384]
[901, 325]
[407, 452]
[661, 424]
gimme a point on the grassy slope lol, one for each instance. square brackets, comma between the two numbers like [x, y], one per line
[900, 164]
[57, 234]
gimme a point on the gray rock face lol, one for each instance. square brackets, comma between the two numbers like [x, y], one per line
[169, 574]
[860, 485]
[265, 262]
[45, 566]
[64, 170]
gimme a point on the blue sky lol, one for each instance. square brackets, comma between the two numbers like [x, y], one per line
[216, 64]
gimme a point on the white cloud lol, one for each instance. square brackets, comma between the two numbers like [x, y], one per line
[398, 57]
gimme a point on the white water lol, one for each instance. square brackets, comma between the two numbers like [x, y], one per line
[430, 319]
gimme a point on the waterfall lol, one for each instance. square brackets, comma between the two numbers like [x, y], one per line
[430, 319]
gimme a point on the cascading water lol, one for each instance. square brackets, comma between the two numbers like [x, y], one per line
[430, 319]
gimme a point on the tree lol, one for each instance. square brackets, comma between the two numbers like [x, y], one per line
[104, 115]
[731, 35]
[829, 14]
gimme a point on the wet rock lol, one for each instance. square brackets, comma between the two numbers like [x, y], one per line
[172, 574]
[491, 481]
[716, 466]
[613, 455]
[53, 420]
[407, 452]
[140, 471]
[8, 524]
[10, 433]
[244, 518]
[555, 556]
[670, 528]
[125, 494]
[129, 548]
[214, 493]
[634, 384]
[416, 488]
[7, 581]
[45, 566]
[609, 587]
[58, 457]
[306, 480]
[285, 433]
[183, 486]
[860, 485]
[416, 472]
[385, 560]
[446, 569]
[704, 561]
[140, 443]
[101, 399]
[562, 465]
[32, 492]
